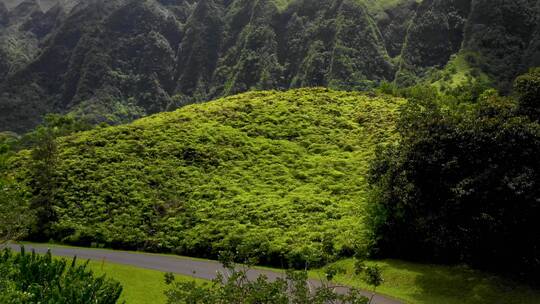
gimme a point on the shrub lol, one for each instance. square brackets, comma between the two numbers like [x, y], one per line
[31, 278]
[234, 286]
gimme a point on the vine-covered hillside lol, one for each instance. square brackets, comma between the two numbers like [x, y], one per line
[280, 174]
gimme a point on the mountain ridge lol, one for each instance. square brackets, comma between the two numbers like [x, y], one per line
[114, 61]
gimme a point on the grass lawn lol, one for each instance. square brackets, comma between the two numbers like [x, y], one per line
[410, 282]
[436, 284]
[141, 286]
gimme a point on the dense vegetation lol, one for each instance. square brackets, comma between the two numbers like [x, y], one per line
[280, 175]
[15, 215]
[462, 184]
[117, 60]
[31, 278]
[234, 286]
[430, 126]
[291, 178]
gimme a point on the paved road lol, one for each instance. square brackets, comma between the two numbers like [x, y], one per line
[202, 269]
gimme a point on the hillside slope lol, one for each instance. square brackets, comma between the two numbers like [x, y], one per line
[279, 174]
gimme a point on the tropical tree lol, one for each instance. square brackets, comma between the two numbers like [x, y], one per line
[43, 168]
[15, 216]
[462, 184]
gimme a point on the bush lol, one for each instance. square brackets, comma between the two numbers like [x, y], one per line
[31, 278]
[234, 286]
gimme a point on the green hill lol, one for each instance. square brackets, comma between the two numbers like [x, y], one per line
[278, 173]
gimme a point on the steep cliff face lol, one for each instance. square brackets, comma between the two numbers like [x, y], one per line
[198, 53]
[338, 45]
[500, 38]
[255, 45]
[435, 34]
[23, 30]
[394, 22]
[44, 5]
[131, 56]
[4, 60]
[20, 32]
[36, 88]
[249, 49]
[120, 59]
[117, 60]
[502, 33]
[4, 15]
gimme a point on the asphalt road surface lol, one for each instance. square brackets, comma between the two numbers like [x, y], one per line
[202, 269]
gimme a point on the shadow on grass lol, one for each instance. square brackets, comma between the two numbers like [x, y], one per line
[429, 284]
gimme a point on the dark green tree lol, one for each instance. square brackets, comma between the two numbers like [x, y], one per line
[527, 87]
[461, 186]
[44, 161]
[371, 275]
[44, 183]
[43, 166]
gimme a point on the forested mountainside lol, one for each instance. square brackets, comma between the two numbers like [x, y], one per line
[116, 60]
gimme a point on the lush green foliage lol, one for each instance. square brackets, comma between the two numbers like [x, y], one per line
[234, 286]
[44, 182]
[527, 88]
[410, 282]
[422, 283]
[15, 216]
[280, 175]
[31, 278]
[461, 185]
[30, 209]
[139, 285]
